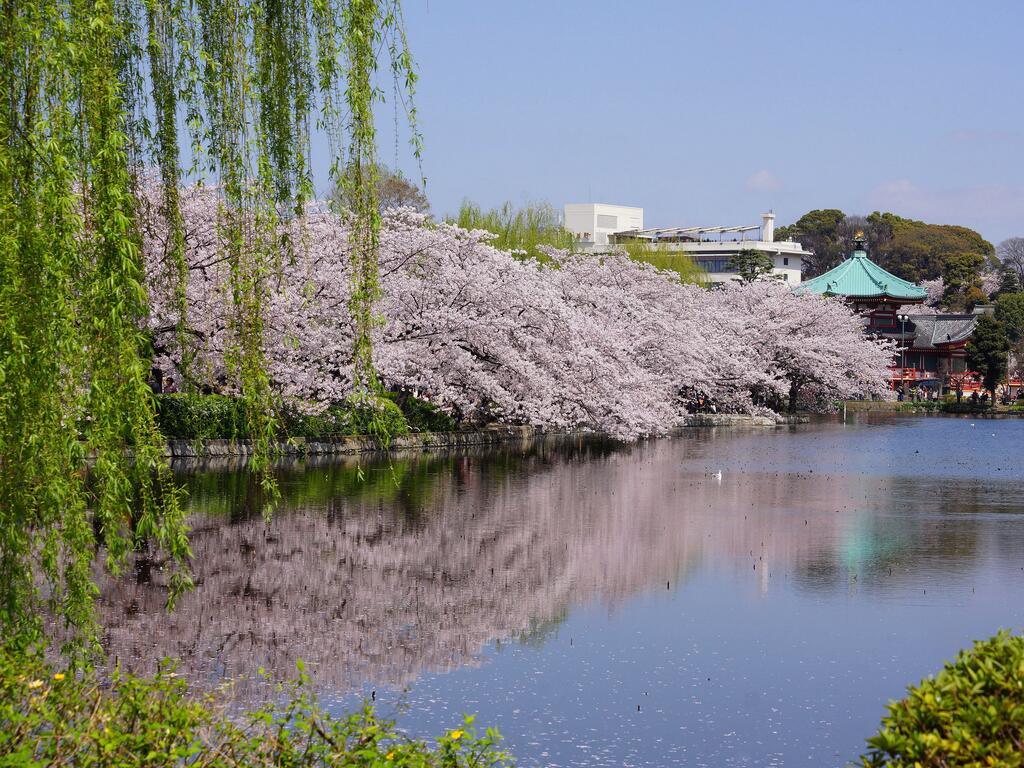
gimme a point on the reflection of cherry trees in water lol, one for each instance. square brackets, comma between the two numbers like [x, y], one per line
[420, 565]
[417, 565]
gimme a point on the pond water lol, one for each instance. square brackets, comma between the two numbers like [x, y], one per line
[719, 598]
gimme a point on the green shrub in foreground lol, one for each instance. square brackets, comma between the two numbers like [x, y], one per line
[970, 714]
[63, 720]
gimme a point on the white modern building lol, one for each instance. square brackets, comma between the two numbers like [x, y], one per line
[595, 222]
[711, 248]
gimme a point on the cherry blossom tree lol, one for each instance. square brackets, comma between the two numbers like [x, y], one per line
[308, 330]
[578, 341]
[803, 344]
[936, 289]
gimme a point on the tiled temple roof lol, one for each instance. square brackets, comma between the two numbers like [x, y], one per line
[859, 277]
[931, 331]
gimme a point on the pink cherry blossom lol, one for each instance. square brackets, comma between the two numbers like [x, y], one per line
[580, 341]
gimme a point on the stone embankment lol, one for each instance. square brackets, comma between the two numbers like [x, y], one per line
[425, 441]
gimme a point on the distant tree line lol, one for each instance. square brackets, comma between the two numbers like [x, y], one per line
[913, 250]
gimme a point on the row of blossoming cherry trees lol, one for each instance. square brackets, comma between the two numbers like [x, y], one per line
[604, 343]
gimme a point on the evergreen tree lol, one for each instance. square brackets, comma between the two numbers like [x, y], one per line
[1009, 281]
[986, 352]
[752, 264]
[961, 276]
[1010, 311]
[818, 231]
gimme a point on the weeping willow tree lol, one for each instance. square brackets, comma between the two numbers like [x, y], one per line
[522, 230]
[664, 258]
[95, 92]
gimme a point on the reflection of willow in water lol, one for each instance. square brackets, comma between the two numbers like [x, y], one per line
[418, 566]
[220, 486]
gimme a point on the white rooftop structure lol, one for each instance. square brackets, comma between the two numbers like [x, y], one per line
[594, 223]
[711, 248]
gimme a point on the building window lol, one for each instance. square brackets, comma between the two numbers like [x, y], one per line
[607, 221]
[715, 265]
[785, 261]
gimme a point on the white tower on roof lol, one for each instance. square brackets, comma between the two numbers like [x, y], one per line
[768, 227]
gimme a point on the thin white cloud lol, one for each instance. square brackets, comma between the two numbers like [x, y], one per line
[762, 181]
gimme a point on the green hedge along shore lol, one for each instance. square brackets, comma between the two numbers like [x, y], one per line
[933, 406]
[218, 417]
[185, 416]
[970, 715]
[68, 720]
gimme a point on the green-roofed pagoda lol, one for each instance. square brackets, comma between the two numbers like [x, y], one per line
[860, 280]
[871, 290]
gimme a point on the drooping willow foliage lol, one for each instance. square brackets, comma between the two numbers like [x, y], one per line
[94, 92]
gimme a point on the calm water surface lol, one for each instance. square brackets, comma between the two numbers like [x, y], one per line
[723, 598]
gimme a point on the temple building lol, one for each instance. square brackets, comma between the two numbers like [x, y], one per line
[932, 345]
[871, 290]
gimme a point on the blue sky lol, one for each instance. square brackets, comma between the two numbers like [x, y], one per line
[709, 112]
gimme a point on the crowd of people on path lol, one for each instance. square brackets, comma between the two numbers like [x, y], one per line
[976, 398]
[918, 395]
